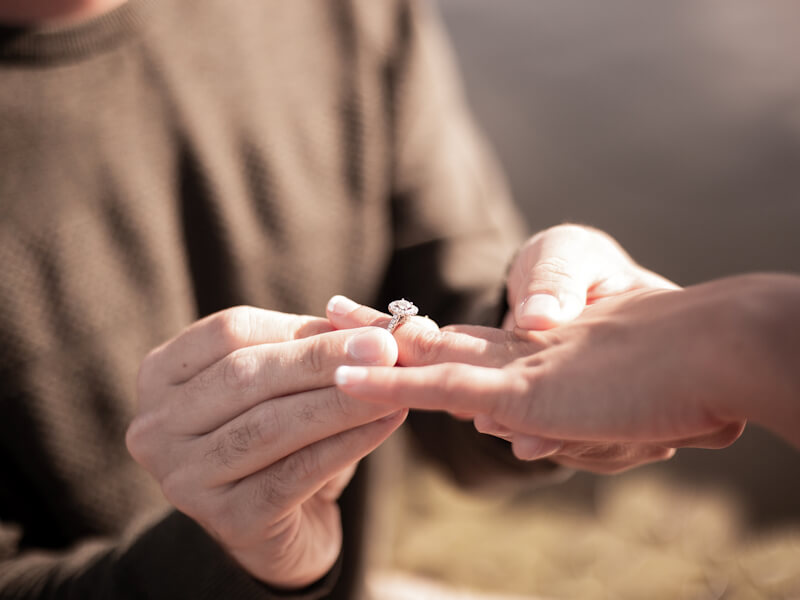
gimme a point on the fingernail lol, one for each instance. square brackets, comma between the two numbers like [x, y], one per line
[340, 305]
[373, 346]
[349, 375]
[538, 307]
[531, 447]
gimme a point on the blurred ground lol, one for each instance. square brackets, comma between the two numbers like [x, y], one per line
[675, 126]
[645, 537]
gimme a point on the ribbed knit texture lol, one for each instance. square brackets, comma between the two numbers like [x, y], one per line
[173, 158]
[43, 45]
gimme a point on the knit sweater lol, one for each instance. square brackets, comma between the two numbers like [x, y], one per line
[173, 158]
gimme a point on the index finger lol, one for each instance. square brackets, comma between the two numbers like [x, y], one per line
[210, 339]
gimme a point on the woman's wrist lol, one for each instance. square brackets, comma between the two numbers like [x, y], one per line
[766, 352]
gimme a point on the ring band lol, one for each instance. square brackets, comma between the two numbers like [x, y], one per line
[400, 309]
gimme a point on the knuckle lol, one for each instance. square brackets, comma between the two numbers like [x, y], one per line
[234, 326]
[267, 423]
[425, 344]
[218, 451]
[270, 492]
[278, 485]
[173, 488]
[147, 377]
[562, 232]
[149, 443]
[140, 438]
[307, 414]
[551, 269]
[517, 403]
[199, 384]
[341, 403]
[301, 466]
[307, 326]
[238, 441]
[136, 439]
[179, 486]
[313, 359]
[240, 371]
[257, 429]
[451, 380]
[281, 485]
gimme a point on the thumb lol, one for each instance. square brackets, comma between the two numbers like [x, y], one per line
[549, 294]
[554, 271]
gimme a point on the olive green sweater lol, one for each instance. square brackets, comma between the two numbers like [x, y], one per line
[172, 158]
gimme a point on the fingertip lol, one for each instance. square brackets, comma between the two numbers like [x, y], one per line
[348, 377]
[531, 447]
[341, 305]
[391, 347]
[539, 311]
[536, 323]
[485, 424]
[545, 311]
[372, 346]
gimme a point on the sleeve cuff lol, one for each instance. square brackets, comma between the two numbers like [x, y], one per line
[176, 558]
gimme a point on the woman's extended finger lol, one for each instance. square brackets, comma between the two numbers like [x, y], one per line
[420, 342]
[598, 457]
[714, 440]
[345, 313]
[608, 459]
[452, 387]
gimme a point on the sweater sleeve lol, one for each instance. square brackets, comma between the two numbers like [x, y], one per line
[455, 227]
[171, 558]
[456, 230]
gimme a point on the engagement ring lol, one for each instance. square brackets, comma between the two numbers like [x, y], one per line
[400, 309]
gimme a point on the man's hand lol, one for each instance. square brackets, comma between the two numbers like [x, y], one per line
[622, 385]
[560, 271]
[239, 422]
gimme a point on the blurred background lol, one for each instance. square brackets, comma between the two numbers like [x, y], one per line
[675, 126]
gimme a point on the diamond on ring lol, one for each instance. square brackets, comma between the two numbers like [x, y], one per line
[400, 309]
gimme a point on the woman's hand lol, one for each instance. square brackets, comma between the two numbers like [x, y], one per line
[624, 384]
[560, 271]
